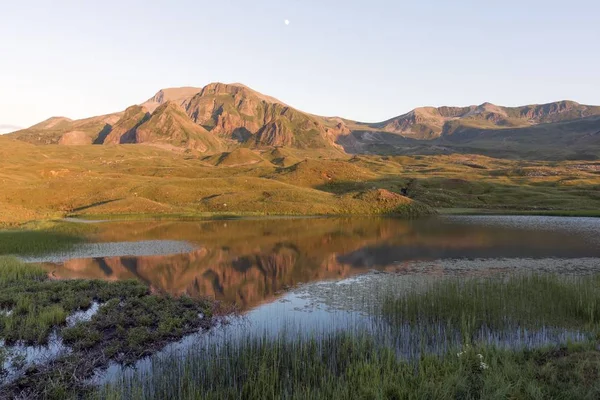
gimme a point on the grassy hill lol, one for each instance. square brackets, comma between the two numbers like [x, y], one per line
[41, 182]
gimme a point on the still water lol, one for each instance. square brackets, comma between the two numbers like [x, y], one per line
[252, 262]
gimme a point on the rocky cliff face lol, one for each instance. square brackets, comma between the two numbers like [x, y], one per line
[124, 129]
[244, 115]
[170, 125]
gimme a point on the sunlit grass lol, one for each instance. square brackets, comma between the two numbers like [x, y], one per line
[344, 366]
[43, 237]
[12, 271]
[526, 301]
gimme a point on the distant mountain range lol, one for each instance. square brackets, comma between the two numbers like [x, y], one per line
[221, 117]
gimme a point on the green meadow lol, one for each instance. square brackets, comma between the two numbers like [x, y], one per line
[51, 182]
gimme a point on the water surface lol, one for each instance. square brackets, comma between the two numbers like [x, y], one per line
[250, 262]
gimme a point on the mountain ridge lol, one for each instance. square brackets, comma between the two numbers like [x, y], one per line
[219, 116]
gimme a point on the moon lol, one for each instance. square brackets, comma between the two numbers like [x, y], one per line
[287, 21]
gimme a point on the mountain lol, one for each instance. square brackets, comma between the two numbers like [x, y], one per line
[176, 95]
[61, 130]
[208, 119]
[220, 117]
[429, 123]
[241, 114]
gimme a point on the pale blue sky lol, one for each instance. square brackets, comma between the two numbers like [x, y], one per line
[365, 60]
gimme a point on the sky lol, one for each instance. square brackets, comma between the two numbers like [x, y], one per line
[363, 60]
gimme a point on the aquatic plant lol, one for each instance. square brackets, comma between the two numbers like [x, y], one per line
[42, 238]
[497, 304]
[355, 366]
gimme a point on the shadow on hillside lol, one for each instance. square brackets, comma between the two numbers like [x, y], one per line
[130, 136]
[567, 140]
[385, 143]
[447, 192]
[103, 134]
[96, 204]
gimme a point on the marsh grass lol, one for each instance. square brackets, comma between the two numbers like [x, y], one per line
[43, 237]
[524, 301]
[11, 271]
[131, 323]
[343, 366]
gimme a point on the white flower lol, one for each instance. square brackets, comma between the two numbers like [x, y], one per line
[483, 365]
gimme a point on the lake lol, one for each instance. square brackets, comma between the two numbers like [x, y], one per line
[252, 262]
[301, 277]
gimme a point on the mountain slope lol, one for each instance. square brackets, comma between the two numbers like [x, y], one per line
[177, 95]
[83, 131]
[428, 123]
[236, 112]
[170, 125]
[123, 131]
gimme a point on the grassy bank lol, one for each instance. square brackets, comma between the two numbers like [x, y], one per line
[130, 323]
[548, 213]
[43, 237]
[524, 301]
[349, 367]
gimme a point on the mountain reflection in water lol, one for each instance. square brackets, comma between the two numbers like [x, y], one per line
[250, 261]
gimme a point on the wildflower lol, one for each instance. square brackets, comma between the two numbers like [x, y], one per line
[483, 365]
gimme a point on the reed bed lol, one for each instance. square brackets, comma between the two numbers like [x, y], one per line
[527, 301]
[343, 366]
[33, 242]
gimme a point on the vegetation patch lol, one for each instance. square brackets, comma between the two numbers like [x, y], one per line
[42, 239]
[516, 302]
[343, 366]
[130, 324]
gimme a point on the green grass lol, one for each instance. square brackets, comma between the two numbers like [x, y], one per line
[14, 271]
[131, 323]
[40, 238]
[353, 364]
[529, 301]
[41, 182]
[549, 213]
[355, 367]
